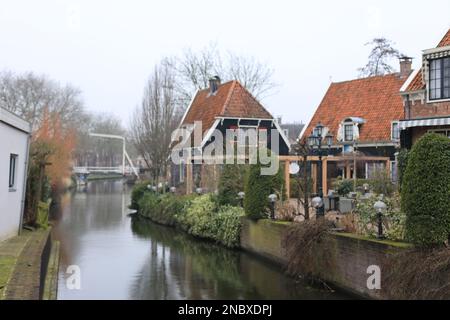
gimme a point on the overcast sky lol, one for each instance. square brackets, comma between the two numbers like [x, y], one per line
[108, 48]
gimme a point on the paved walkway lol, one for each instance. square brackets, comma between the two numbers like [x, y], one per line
[20, 265]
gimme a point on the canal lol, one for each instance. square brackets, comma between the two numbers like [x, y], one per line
[120, 257]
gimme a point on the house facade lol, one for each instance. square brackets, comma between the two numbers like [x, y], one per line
[426, 96]
[14, 142]
[362, 116]
[221, 108]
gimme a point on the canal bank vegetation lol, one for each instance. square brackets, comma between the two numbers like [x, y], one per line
[200, 216]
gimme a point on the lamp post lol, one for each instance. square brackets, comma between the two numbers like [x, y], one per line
[380, 208]
[241, 196]
[272, 200]
[315, 141]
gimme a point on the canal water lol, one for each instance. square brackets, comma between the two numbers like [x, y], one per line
[120, 257]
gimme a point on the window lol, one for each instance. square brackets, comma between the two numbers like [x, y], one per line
[12, 171]
[440, 79]
[395, 131]
[444, 132]
[181, 172]
[348, 132]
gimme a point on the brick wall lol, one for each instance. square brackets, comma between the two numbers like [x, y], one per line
[350, 255]
[427, 110]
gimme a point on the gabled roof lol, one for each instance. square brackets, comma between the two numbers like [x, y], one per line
[231, 100]
[374, 99]
[417, 82]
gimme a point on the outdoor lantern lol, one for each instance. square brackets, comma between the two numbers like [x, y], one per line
[313, 140]
[149, 187]
[241, 196]
[272, 200]
[329, 139]
[199, 190]
[380, 208]
[317, 202]
[154, 188]
[173, 189]
[318, 130]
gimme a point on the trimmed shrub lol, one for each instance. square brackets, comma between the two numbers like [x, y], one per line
[257, 190]
[228, 226]
[137, 193]
[344, 186]
[402, 162]
[426, 191]
[198, 219]
[230, 184]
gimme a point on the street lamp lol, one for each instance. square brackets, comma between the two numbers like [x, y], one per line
[317, 203]
[241, 196]
[380, 208]
[272, 200]
[315, 142]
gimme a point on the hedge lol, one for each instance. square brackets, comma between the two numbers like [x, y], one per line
[426, 191]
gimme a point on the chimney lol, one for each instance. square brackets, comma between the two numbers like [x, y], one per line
[405, 66]
[214, 84]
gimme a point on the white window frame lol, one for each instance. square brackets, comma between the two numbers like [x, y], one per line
[346, 124]
[447, 131]
[392, 130]
[13, 166]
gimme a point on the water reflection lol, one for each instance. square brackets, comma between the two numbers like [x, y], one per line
[131, 258]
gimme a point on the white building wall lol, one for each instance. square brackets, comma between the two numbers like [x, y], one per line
[12, 141]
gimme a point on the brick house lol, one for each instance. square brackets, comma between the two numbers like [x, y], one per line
[362, 116]
[222, 107]
[426, 95]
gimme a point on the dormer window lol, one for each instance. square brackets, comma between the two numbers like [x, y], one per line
[348, 132]
[439, 79]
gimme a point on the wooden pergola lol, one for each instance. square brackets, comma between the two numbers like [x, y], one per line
[325, 160]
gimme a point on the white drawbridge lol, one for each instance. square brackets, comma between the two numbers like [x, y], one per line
[124, 169]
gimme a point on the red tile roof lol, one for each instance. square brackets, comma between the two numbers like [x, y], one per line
[445, 40]
[231, 100]
[417, 83]
[375, 99]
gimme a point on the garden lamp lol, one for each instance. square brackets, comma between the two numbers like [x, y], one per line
[272, 200]
[380, 208]
[241, 196]
[173, 189]
[317, 203]
[199, 190]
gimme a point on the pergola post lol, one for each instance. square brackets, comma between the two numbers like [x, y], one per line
[287, 178]
[325, 175]
[314, 176]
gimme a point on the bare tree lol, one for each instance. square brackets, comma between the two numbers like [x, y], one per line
[29, 94]
[154, 121]
[193, 69]
[379, 58]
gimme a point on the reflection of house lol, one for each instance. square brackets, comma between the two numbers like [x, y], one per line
[360, 115]
[426, 95]
[220, 108]
[14, 135]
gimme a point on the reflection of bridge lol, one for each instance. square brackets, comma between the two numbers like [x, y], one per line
[104, 170]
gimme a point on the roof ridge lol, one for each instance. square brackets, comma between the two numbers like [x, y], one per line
[230, 93]
[368, 78]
